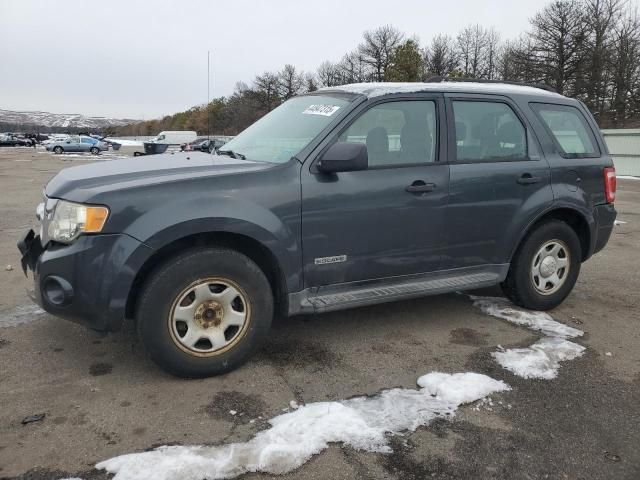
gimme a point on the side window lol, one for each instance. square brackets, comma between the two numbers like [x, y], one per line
[569, 129]
[488, 131]
[396, 133]
[86, 140]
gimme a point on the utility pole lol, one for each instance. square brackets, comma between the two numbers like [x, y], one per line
[208, 99]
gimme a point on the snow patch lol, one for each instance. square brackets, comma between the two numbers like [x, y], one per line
[540, 360]
[376, 89]
[540, 321]
[20, 314]
[619, 222]
[362, 423]
[627, 177]
[89, 157]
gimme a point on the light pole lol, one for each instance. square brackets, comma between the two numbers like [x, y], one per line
[208, 98]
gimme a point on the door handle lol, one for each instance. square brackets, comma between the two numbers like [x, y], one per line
[528, 179]
[420, 187]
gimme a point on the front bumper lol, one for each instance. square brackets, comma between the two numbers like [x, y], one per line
[86, 282]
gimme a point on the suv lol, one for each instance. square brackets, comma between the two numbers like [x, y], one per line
[343, 197]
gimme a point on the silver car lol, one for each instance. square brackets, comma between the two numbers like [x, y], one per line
[78, 144]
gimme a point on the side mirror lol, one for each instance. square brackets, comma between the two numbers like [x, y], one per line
[344, 157]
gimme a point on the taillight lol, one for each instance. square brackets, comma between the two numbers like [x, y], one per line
[610, 184]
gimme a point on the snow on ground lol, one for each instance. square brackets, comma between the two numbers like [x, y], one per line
[20, 314]
[362, 423]
[541, 321]
[542, 359]
[97, 158]
[627, 177]
[125, 143]
[619, 222]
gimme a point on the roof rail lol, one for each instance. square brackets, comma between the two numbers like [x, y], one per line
[439, 79]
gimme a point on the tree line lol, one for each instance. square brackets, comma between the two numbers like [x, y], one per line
[586, 49]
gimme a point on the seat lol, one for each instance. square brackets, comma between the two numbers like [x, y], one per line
[461, 132]
[484, 132]
[378, 146]
[510, 134]
[415, 143]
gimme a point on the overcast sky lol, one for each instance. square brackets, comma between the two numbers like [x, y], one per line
[143, 59]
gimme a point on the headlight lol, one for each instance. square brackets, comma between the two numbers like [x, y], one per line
[71, 219]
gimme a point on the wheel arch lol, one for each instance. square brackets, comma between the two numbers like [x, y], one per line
[579, 221]
[252, 248]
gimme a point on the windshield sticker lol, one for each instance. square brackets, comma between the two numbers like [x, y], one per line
[324, 110]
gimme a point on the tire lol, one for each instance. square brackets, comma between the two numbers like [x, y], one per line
[531, 281]
[58, 150]
[205, 276]
[94, 150]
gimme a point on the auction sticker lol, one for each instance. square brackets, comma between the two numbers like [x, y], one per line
[324, 110]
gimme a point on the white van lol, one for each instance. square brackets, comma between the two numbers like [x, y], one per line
[177, 137]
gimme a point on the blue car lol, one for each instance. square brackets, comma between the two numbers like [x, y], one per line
[78, 144]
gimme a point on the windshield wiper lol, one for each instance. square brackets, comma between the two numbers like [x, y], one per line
[232, 154]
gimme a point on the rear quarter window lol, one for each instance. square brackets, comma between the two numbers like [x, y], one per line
[569, 130]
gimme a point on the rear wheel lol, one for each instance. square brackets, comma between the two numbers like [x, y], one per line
[545, 267]
[204, 312]
[58, 150]
[95, 150]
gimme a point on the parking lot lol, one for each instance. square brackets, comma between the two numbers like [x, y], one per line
[102, 397]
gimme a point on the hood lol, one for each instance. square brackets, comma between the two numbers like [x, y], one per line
[86, 181]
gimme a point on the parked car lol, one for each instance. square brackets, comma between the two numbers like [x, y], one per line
[77, 144]
[203, 145]
[10, 140]
[344, 197]
[57, 137]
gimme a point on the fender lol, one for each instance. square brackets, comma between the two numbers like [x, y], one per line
[584, 213]
[167, 223]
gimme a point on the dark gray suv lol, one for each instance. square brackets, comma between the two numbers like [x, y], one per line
[344, 197]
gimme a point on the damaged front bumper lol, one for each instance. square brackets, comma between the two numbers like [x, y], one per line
[88, 281]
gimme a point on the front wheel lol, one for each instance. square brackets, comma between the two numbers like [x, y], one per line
[94, 150]
[204, 312]
[545, 267]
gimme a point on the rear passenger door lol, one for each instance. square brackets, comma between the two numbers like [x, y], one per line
[85, 144]
[499, 181]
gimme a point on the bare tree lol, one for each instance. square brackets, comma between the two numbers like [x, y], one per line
[491, 53]
[310, 82]
[600, 18]
[441, 58]
[353, 68]
[625, 101]
[377, 48]
[558, 35]
[266, 90]
[477, 50]
[329, 74]
[290, 82]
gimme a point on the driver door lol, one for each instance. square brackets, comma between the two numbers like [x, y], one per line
[371, 224]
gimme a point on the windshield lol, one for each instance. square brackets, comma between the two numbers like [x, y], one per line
[283, 132]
